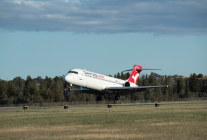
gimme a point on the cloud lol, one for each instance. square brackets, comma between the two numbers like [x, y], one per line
[173, 17]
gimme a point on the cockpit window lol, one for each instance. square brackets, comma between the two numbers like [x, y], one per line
[73, 72]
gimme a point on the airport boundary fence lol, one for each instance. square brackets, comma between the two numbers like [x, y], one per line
[86, 103]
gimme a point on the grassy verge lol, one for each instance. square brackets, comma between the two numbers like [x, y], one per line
[173, 121]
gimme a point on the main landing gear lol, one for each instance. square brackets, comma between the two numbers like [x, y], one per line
[117, 97]
[99, 98]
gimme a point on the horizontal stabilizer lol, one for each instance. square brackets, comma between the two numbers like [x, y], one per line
[141, 69]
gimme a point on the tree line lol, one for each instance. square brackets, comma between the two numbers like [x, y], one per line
[40, 90]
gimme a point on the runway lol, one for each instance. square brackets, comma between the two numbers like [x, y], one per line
[134, 104]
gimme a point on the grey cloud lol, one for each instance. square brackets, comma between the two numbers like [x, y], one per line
[176, 17]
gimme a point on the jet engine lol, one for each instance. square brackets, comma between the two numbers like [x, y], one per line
[127, 84]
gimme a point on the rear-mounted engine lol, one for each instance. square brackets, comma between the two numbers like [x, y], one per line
[127, 84]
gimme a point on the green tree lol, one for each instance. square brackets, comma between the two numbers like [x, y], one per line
[118, 75]
[166, 90]
[122, 76]
[175, 95]
[57, 93]
[19, 83]
[3, 95]
[127, 75]
[193, 83]
[151, 79]
[204, 87]
[180, 88]
[28, 84]
[187, 90]
[50, 95]
[1, 87]
[43, 90]
[200, 75]
[11, 92]
[144, 81]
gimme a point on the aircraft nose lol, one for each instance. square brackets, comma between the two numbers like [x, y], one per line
[67, 78]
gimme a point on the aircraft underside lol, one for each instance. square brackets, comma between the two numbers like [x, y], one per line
[116, 93]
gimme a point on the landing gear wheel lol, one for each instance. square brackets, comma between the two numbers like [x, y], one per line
[117, 97]
[99, 98]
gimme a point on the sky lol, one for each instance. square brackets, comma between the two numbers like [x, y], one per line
[50, 37]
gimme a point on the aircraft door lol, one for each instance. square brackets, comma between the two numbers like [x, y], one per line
[82, 79]
[80, 75]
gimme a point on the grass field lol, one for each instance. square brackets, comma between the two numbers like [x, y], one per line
[183, 120]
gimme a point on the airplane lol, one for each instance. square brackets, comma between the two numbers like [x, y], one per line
[94, 83]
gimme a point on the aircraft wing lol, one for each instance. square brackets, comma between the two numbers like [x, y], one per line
[79, 89]
[122, 88]
[134, 88]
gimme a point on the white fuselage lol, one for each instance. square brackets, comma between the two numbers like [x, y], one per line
[91, 80]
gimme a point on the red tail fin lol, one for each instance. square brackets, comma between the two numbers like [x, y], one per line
[135, 74]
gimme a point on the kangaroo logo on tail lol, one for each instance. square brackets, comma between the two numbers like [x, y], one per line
[135, 74]
[135, 78]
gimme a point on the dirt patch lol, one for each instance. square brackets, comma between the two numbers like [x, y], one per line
[161, 124]
[33, 128]
[100, 136]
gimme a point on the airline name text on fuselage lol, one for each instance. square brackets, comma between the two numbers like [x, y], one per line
[93, 75]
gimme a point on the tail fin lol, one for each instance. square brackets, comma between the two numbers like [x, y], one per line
[133, 78]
